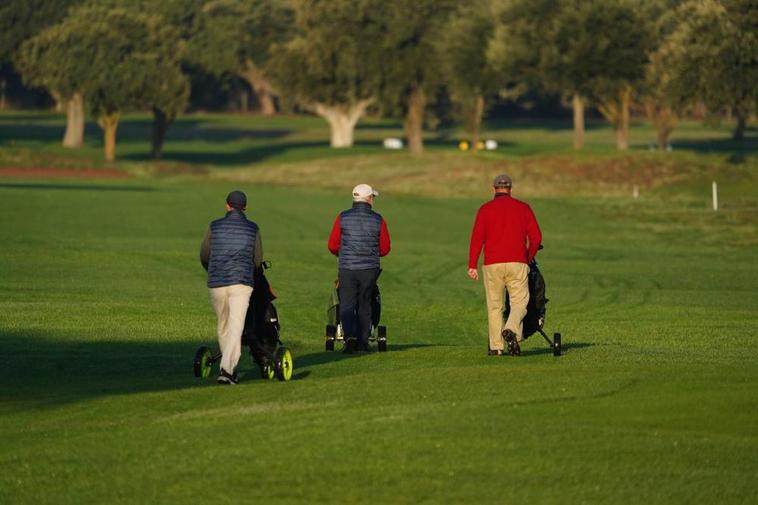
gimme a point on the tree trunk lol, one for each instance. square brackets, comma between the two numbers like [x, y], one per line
[739, 131]
[414, 120]
[577, 103]
[663, 118]
[2, 94]
[60, 103]
[616, 111]
[109, 124]
[161, 122]
[74, 135]
[622, 128]
[342, 120]
[262, 87]
[475, 120]
[662, 137]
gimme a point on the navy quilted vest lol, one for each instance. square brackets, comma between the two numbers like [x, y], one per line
[231, 258]
[359, 228]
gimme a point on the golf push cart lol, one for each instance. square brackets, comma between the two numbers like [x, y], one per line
[260, 334]
[534, 321]
[334, 330]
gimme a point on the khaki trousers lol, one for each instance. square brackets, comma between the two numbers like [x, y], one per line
[497, 278]
[230, 304]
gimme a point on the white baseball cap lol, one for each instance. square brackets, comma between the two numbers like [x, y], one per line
[363, 191]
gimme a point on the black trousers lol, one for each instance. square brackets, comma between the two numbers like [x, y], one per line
[355, 291]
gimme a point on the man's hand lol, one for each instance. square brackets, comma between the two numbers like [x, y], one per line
[473, 273]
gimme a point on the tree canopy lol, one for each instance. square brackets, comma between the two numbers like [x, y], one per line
[236, 36]
[713, 51]
[332, 65]
[408, 59]
[471, 75]
[117, 59]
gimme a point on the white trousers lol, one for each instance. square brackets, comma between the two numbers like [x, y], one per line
[230, 304]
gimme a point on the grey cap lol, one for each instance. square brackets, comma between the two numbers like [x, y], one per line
[237, 199]
[502, 181]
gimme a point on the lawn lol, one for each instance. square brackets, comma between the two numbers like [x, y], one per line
[103, 303]
[218, 141]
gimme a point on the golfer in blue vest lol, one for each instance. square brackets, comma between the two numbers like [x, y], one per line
[230, 252]
[359, 237]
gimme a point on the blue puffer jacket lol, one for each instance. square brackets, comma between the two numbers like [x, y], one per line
[231, 255]
[359, 228]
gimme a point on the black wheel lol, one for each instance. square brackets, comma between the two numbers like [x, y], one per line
[381, 338]
[556, 344]
[267, 371]
[203, 362]
[283, 364]
[331, 335]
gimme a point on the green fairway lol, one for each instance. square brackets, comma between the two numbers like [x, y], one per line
[655, 400]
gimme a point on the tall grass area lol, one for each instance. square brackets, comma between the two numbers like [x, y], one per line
[103, 303]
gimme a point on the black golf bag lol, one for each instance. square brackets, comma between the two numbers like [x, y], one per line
[261, 332]
[535, 309]
[534, 320]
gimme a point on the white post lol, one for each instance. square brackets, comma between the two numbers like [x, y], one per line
[715, 197]
[636, 192]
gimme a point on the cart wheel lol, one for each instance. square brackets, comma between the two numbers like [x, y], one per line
[203, 362]
[268, 372]
[283, 364]
[556, 344]
[381, 338]
[331, 335]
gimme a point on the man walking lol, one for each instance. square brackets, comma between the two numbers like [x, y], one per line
[508, 230]
[359, 237]
[230, 251]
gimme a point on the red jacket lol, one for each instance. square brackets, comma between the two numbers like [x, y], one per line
[503, 226]
[335, 238]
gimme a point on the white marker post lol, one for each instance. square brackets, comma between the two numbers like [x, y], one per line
[715, 197]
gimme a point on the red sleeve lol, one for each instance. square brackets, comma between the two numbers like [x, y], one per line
[534, 234]
[477, 240]
[335, 238]
[384, 239]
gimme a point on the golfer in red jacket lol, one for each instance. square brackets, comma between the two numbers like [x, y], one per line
[510, 235]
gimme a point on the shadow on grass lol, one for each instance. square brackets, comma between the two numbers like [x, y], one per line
[82, 187]
[323, 357]
[738, 149]
[293, 151]
[17, 128]
[245, 155]
[47, 368]
[566, 348]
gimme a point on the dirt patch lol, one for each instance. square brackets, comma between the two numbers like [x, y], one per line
[101, 173]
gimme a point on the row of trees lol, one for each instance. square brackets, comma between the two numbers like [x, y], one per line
[341, 59]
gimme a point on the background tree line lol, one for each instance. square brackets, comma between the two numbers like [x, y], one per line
[420, 61]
